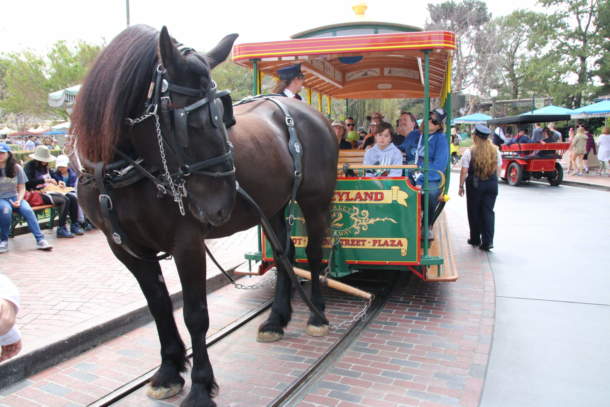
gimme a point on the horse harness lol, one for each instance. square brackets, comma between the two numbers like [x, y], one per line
[127, 171]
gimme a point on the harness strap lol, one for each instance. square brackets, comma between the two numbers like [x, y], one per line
[281, 253]
[108, 212]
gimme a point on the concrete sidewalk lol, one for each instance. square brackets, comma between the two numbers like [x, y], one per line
[79, 294]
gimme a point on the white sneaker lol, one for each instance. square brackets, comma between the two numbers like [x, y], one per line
[42, 244]
[4, 246]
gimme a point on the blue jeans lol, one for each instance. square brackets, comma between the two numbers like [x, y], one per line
[25, 210]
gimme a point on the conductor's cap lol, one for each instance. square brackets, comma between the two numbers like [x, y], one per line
[290, 72]
[482, 131]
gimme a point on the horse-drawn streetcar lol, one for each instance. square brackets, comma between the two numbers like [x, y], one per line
[165, 161]
[376, 222]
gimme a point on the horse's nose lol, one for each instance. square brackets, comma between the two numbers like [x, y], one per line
[221, 216]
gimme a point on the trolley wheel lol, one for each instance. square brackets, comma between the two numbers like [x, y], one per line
[557, 176]
[514, 174]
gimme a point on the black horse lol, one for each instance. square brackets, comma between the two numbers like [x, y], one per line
[187, 183]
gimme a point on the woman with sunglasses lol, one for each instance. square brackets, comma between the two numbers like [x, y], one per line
[438, 158]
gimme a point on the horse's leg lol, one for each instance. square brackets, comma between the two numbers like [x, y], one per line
[273, 328]
[190, 261]
[167, 381]
[317, 222]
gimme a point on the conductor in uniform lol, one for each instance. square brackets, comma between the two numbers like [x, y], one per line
[481, 167]
[291, 81]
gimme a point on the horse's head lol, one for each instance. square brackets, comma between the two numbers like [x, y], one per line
[194, 117]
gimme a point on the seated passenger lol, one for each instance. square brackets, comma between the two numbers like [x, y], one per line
[520, 138]
[339, 129]
[369, 139]
[409, 128]
[66, 176]
[438, 159]
[37, 171]
[12, 190]
[352, 135]
[548, 136]
[384, 152]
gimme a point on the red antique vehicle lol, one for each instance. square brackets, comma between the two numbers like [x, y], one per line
[522, 162]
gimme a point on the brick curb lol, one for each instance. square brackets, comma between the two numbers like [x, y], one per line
[49, 355]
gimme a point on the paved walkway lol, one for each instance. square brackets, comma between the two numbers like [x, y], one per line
[80, 285]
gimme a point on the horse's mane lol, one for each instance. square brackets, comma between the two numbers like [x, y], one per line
[114, 89]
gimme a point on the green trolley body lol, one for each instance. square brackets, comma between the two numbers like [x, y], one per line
[375, 221]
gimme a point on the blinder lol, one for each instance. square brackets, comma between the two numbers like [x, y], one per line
[159, 105]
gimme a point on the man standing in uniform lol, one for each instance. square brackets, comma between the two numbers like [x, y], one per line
[291, 81]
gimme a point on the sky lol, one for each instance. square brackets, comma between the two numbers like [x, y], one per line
[200, 24]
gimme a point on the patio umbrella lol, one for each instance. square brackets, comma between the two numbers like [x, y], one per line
[599, 109]
[549, 110]
[64, 98]
[7, 130]
[474, 118]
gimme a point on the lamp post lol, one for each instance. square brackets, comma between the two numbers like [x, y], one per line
[127, 11]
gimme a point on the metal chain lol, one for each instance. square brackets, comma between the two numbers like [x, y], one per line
[360, 315]
[176, 191]
[267, 282]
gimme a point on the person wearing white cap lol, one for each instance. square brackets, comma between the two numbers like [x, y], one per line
[12, 191]
[66, 176]
[39, 176]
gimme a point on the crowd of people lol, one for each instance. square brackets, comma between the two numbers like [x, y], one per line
[36, 183]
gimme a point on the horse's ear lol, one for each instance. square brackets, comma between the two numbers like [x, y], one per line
[221, 51]
[168, 53]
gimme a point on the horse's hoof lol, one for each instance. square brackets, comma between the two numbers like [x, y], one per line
[268, 336]
[313, 330]
[161, 393]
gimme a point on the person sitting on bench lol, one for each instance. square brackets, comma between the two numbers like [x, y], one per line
[12, 190]
[384, 152]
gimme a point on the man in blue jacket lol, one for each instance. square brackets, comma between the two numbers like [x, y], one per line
[438, 159]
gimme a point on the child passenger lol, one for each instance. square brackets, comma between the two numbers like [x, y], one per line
[384, 152]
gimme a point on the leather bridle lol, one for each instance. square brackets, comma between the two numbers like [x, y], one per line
[175, 133]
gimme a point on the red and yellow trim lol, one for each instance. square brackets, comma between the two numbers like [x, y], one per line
[443, 40]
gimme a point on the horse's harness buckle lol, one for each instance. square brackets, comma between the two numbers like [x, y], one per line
[105, 201]
[289, 121]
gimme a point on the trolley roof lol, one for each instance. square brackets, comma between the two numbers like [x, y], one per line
[360, 66]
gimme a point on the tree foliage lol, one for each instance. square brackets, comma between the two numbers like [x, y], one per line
[467, 19]
[27, 78]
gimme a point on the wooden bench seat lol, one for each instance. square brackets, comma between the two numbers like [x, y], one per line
[38, 211]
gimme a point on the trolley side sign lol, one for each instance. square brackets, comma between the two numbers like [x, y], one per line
[374, 220]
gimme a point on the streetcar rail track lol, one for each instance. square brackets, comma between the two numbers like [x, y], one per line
[298, 389]
[140, 381]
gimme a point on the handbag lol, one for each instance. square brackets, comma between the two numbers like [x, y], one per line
[34, 198]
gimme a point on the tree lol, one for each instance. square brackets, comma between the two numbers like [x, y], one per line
[27, 79]
[522, 33]
[467, 20]
[575, 41]
[235, 78]
[603, 63]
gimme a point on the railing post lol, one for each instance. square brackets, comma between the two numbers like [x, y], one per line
[426, 152]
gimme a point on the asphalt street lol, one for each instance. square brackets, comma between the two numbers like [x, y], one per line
[552, 275]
